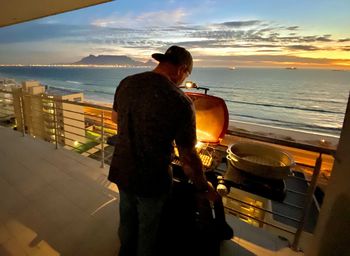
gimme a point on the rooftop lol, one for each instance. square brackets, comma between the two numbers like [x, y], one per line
[57, 202]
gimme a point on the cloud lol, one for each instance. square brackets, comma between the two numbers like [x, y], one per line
[346, 48]
[144, 20]
[292, 28]
[303, 47]
[308, 39]
[111, 31]
[261, 60]
[183, 27]
[264, 30]
[344, 40]
[268, 50]
[139, 35]
[325, 38]
[29, 32]
[240, 24]
[261, 32]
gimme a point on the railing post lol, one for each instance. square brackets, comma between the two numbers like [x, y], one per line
[21, 106]
[55, 122]
[102, 140]
[308, 201]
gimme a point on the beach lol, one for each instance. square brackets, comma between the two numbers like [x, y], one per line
[317, 139]
[303, 137]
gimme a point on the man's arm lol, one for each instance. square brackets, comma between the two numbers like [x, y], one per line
[186, 140]
[193, 169]
[114, 116]
[192, 166]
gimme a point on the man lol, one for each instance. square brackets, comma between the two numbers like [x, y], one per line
[151, 113]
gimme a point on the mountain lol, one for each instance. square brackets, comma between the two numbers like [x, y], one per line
[150, 63]
[112, 60]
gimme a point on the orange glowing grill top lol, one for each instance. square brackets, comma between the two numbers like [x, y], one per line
[211, 117]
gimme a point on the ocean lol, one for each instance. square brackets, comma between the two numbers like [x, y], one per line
[302, 99]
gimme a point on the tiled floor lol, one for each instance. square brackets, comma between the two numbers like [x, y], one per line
[56, 202]
[53, 202]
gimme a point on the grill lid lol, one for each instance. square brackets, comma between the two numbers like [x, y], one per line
[211, 117]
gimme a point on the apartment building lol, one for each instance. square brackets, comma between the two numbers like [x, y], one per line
[41, 112]
[6, 110]
[70, 117]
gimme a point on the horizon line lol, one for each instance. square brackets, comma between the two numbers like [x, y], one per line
[296, 67]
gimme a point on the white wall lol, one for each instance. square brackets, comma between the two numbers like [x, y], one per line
[332, 235]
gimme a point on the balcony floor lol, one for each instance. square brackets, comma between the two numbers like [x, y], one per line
[57, 202]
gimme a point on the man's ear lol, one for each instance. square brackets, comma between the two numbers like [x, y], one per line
[181, 69]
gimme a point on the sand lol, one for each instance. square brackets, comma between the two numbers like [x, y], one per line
[317, 139]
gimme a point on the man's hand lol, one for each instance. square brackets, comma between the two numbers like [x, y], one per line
[193, 168]
[211, 193]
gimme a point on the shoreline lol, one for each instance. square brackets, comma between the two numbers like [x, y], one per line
[99, 103]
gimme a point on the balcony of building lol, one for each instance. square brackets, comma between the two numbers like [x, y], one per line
[57, 199]
[58, 202]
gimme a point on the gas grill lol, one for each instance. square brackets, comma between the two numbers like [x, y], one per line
[224, 169]
[264, 177]
[211, 124]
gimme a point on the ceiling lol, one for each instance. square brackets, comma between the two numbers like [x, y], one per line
[17, 11]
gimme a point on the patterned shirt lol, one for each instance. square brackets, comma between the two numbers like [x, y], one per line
[152, 114]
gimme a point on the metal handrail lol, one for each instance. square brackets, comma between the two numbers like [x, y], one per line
[102, 140]
[70, 146]
[56, 127]
[293, 205]
[73, 133]
[298, 145]
[308, 202]
[6, 109]
[100, 119]
[5, 98]
[258, 220]
[76, 112]
[68, 138]
[296, 192]
[264, 210]
[292, 144]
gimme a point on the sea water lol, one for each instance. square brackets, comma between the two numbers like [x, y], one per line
[302, 99]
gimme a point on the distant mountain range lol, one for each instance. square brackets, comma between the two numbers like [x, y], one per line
[112, 60]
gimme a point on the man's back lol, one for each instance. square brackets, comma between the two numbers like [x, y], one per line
[152, 113]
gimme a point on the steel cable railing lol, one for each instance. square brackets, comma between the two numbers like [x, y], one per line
[86, 128]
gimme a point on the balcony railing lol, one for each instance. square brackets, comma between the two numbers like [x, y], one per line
[85, 127]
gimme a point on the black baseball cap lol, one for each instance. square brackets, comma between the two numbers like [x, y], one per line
[176, 55]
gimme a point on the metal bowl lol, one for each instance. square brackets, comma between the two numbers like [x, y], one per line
[260, 159]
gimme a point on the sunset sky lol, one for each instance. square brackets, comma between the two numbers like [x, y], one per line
[303, 33]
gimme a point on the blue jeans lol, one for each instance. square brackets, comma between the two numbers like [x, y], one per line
[139, 223]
